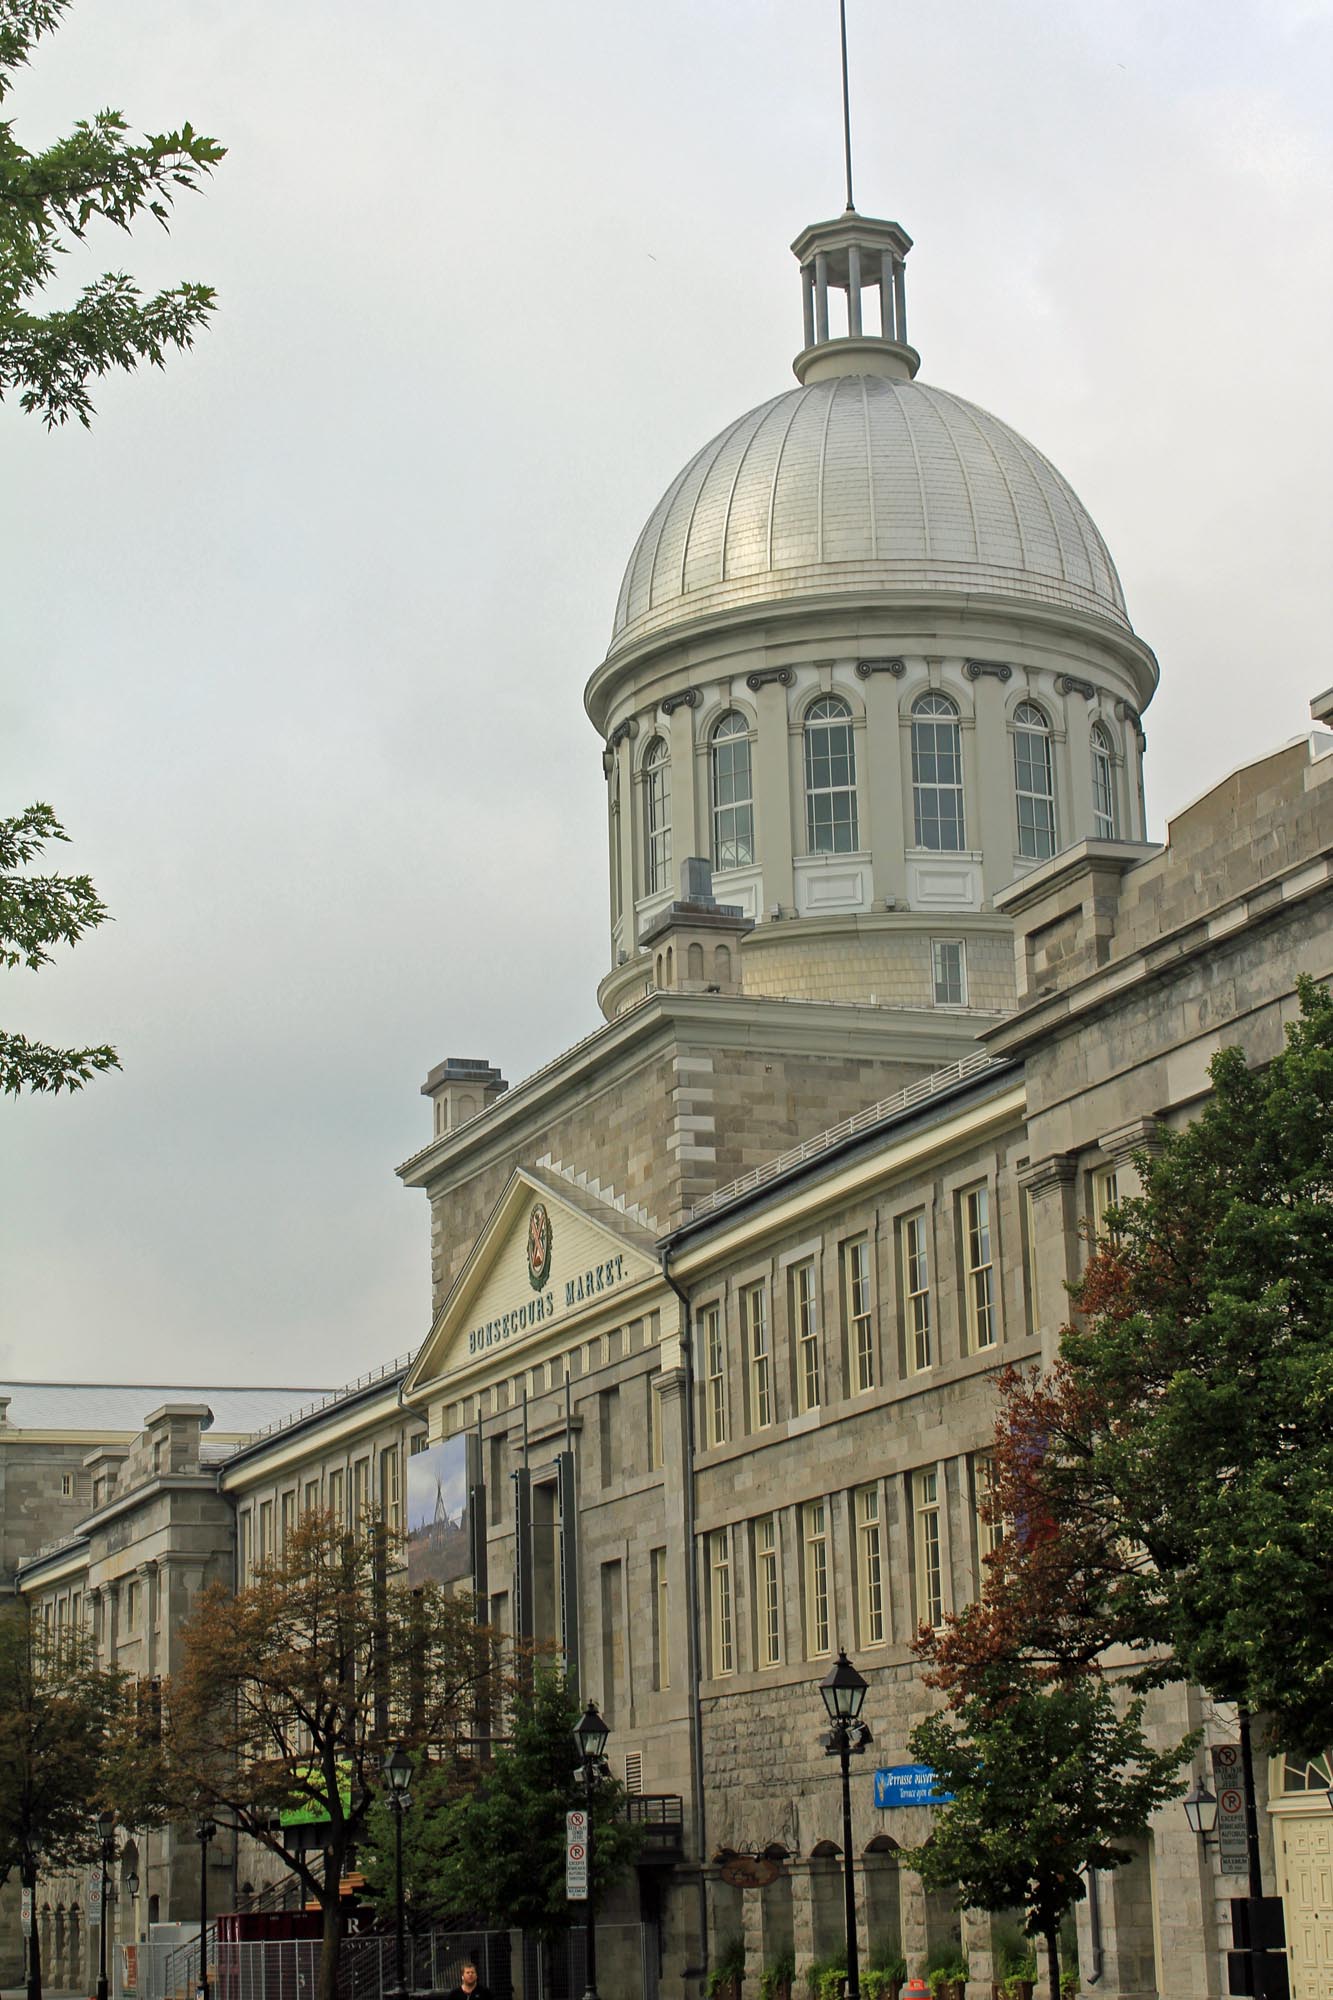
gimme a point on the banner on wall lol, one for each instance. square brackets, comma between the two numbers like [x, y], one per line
[438, 1543]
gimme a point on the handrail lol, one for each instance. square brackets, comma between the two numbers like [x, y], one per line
[915, 1093]
[333, 1396]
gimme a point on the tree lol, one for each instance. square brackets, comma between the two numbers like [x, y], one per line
[292, 1690]
[36, 912]
[497, 1853]
[72, 1741]
[47, 201]
[1048, 1778]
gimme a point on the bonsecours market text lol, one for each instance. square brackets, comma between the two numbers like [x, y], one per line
[600, 1278]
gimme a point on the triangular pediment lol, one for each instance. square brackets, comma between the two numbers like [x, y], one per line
[551, 1254]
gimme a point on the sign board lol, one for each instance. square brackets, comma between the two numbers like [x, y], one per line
[1228, 1782]
[93, 1896]
[576, 1857]
[129, 1968]
[25, 1912]
[907, 1785]
[749, 1871]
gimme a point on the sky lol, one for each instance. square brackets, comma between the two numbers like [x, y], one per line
[295, 637]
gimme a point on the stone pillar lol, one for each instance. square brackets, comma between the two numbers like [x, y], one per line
[690, 832]
[989, 800]
[772, 796]
[1073, 810]
[802, 1916]
[1049, 1187]
[916, 1941]
[979, 1953]
[1129, 1968]
[880, 777]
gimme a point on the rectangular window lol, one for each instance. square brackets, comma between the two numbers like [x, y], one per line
[814, 1517]
[243, 1555]
[390, 1510]
[929, 1575]
[337, 1497]
[655, 1447]
[286, 1520]
[990, 1525]
[870, 1566]
[754, 1318]
[719, 1572]
[265, 1548]
[859, 1311]
[76, 1611]
[67, 1484]
[360, 1493]
[916, 1293]
[948, 969]
[980, 1270]
[1105, 1195]
[715, 1358]
[310, 1504]
[661, 1625]
[767, 1598]
[805, 1325]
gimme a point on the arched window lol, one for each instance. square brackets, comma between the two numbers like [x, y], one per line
[830, 778]
[1103, 785]
[656, 817]
[937, 774]
[1034, 784]
[733, 793]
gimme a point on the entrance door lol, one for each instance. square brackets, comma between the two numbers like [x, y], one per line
[1305, 1869]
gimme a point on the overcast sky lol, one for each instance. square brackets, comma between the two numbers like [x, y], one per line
[295, 637]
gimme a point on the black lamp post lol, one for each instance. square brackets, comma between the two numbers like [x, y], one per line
[1200, 1808]
[591, 1735]
[132, 1891]
[398, 1777]
[844, 1691]
[106, 1834]
[203, 1833]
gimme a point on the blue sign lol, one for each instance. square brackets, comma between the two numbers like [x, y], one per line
[908, 1785]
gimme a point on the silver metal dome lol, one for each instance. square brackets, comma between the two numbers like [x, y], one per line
[863, 481]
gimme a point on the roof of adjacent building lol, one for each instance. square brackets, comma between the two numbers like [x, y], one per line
[114, 1408]
[862, 480]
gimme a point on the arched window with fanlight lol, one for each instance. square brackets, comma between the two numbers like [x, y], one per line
[1034, 783]
[937, 774]
[656, 817]
[830, 778]
[1103, 785]
[733, 792]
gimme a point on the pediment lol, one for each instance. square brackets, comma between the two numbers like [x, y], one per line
[550, 1254]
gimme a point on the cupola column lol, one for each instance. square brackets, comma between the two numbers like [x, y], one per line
[772, 795]
[854, 253]
[992, 827]
[821, 297]
[1078, 749]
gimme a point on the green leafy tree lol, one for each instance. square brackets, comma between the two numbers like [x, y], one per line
[48, 200]
[292, 1691]
[37, 912]
[496, 1855]
[1048, 1778]
[74, 1739]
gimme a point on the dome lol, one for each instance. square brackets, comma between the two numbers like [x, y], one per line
[864, 482]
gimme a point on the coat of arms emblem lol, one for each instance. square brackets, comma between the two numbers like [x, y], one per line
[539, 1246]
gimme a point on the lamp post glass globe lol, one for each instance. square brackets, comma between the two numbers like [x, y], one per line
[398, 1769]
[1200, 1808]
[591, 1734]
[106, 1825]
[843, 1690]
[132, 1883]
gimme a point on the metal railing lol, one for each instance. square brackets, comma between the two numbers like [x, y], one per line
[365, 1381]
[903, 1100]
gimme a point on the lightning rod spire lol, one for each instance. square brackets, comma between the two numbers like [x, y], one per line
[846, 105]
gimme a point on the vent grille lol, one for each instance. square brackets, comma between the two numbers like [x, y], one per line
[633, 1771]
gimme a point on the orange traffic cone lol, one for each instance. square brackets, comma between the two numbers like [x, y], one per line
[915, 1989]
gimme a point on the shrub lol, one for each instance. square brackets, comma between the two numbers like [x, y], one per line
[729, 1968]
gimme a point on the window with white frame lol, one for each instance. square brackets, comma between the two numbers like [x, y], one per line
[830, 778]
[715, 1389]
[767, 1594]
[916, 1292]
[719, 1573]
[1103, 785]
[286, 1520]
[310, 1501]
[937, 774]
[859, 1307]
[264, 1548]
[805, 1326]
[656, 817]
[733, 793]
[1034, 783]
[948, 972]
[1105, 1195]
[870, 1566]
[814, 1523]
[929, 1571]
[390, 1489]
[661, 1624]
[979, 1269]
[754, 1318]
[990, 1523]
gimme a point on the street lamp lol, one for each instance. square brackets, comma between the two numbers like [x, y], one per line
[397, 1769]
[591, 1734]
[844, 1691]
[106, 1834]
[203, 1833]
[1200, 1807]
[132, 1891]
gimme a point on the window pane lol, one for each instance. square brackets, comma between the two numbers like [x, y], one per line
[830, 779]
[733, 809]
[937, 774]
